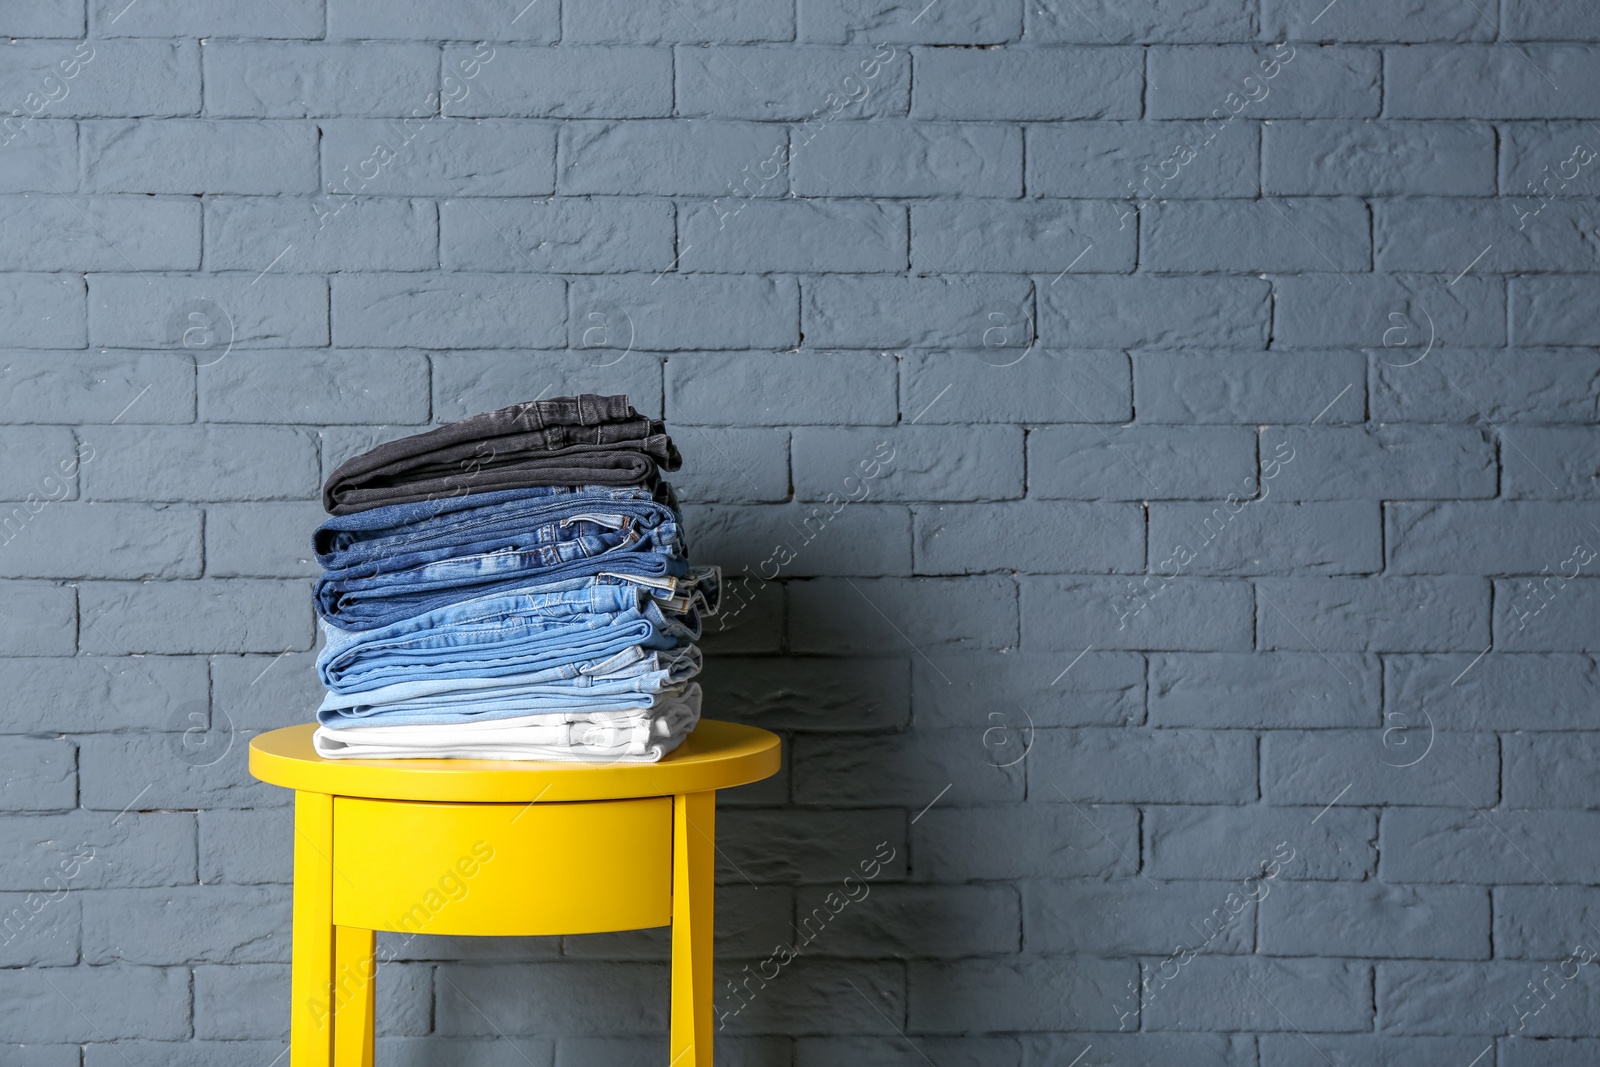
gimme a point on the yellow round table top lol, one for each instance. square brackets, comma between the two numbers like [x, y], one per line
[717, 755]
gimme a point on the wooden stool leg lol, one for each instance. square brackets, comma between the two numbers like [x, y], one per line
[353, 988]
[311, 980]
[693, 887]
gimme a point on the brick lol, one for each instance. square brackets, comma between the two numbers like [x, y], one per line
[264, 692]
[855, 997]
[1565, 623]
[793, 236]
[872, 21]
[1408, 762]
[1246, 690]
[796, 541]
[890, 615]
[964, 844]
[1298, 235]
[200, 463]
[1539, 922]
[1037, 690]
[1396, 158]
[1481, 848]
[1366, 20]
[207, 315]
[261, 540]
[90, 851]
[1033, 536]
[42, 620]
[189, 1053]
[1140, 462]
[943, 312]
[1197, 1050]
[1540, 81]
[246, 847]
[1488, 538]
[1408, 314]
[316, 386]
[687, 158]
[918, 922]
[41, 775]
[1231, 387]
[1373, 614]
[1526, 20]
[1365, 1050]
[1202, 81]
[1267, 538]
[1236, 843]
[1028, 84]
[908, 463]
[1144, 767]
[1177, 615]
[1551, 311]
[418, 20]
[734, 466]
[258, 79]
[224, 615]
[44, 310]
[792, 694]
[1556, 385]
[851, 388]
[78, 387]
[1492, 694]
[244, 1000]
[1481, 998]
[752, 921]
[1304, 995]
[907, 769]
[103, 79]
[42, 158]
[431, 156]
[800, 847]
[103, 541]
[220, 157]
[1542, 771]
[886, 1051]
[1541, 160]
[1030, 993]
[567, 82]
[812, 83]
[1155, 312]
[1419, 462]
[1007, 384]
[49, 18]
[192, 924]
[85, 694]
[888, 158]
[296, 19]
[42, 929]
[1130, 160]
[1412, 235]
[465, 383]
[44, 464]
[684, 312]
[443, 310]
[121, 1002]
[1137, 918]
[242, 234]
[1034, 236]
[100, 234]
[1142, 22]
[173, 770]
[693, 21]
[1547, 1052]
[555, 236]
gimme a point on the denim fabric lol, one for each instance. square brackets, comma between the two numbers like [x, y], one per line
[570, 441]
[497, 636]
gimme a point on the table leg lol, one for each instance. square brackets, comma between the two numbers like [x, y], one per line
[311, 979]
[693, 887]
[353, 988]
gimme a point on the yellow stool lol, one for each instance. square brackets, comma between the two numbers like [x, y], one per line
[498, 847]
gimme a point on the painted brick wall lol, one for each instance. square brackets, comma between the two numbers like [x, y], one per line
[1157, 438]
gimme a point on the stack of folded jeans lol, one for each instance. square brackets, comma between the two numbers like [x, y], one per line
[511, 586]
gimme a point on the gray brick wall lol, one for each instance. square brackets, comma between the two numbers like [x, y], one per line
[1155, 439]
